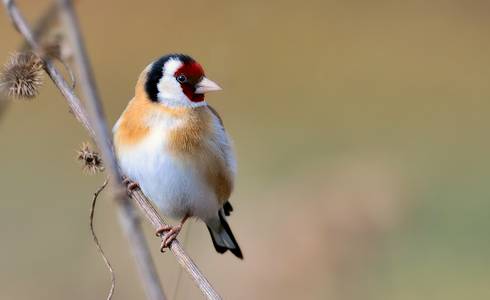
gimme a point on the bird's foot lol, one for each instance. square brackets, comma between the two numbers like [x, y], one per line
[168, 233]
[130, 184]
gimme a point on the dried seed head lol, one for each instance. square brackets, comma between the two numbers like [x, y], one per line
[92, 163]
[22, 75]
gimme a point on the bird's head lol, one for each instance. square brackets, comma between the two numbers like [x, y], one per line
[177, 80]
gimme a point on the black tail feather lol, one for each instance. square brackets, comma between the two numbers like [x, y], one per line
[219, 248]
[237, 251]
[222, 249]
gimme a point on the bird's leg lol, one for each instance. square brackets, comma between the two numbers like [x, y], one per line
[168, 233]
[130, 185]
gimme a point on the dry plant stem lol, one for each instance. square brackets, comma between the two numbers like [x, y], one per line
[137, 195]
[89, 89]
[42, 25]
[96, 240]
[128, 218]
[184, 260]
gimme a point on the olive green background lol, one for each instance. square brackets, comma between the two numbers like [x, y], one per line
[361, 131]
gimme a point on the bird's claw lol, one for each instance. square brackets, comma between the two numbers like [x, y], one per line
[130, 184]
[168, 233]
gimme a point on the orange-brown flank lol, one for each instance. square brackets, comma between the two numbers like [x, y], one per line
[191, 142]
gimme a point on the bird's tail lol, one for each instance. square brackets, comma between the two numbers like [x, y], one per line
[222, 236]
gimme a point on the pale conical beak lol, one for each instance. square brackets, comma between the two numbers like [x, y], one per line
[206, 85]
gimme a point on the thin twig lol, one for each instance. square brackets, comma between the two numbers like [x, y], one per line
[179, 275]
[96, 240]
[184, 260]
[137, 195]
[42, 25]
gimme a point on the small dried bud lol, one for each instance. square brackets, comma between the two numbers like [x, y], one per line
[92, 163]
[51, 50]
[55, 46]
[22, 76]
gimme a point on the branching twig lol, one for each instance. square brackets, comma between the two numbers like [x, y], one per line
[96, 240]
[137, 195]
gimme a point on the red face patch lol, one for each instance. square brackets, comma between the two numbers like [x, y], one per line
[188, 76]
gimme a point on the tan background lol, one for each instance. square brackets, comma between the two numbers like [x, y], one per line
[361, 129]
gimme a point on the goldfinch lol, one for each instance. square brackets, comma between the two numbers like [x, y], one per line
[173, 145]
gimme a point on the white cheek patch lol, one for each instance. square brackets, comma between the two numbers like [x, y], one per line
[169, 90]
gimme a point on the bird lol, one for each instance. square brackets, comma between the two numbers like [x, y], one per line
[173, 145]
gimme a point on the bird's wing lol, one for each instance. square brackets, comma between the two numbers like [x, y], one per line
[214, 112]
[227, 208]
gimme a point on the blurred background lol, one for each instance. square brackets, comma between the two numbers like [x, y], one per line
[361, 130]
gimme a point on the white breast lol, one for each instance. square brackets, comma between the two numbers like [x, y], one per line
[173, 184]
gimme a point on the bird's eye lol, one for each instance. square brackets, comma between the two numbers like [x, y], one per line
[182, 78]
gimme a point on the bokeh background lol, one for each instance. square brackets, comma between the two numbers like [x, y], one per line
[361, 130]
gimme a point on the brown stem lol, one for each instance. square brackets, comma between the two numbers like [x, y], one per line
[137, 195]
